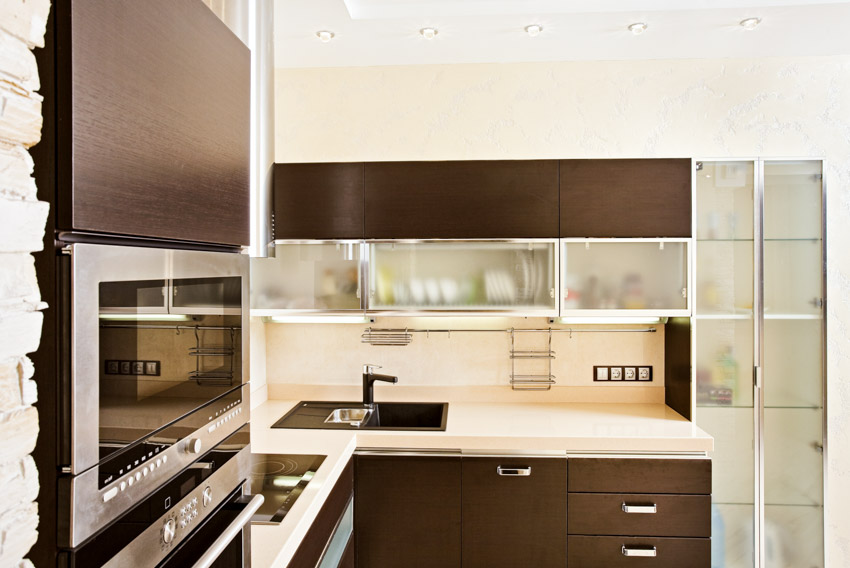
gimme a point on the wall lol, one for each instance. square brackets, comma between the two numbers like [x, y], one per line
[704, 108]
[22, 219]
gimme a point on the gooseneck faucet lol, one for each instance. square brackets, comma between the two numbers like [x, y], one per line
[369, 379]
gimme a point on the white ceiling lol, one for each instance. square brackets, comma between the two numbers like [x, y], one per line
[386, 32]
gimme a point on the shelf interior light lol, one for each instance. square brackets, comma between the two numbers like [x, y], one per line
[612, 320]
[637, 28]
[318, 319]
[429, 33]
[144, 317]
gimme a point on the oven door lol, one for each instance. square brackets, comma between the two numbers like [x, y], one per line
[223, 541]
[157, 372]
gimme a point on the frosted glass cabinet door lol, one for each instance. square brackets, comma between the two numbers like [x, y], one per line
[463, 276]
[308, 277]
[625, 277]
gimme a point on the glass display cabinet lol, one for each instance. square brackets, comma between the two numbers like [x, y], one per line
[759, 356]
[309, 277]
[516, 277]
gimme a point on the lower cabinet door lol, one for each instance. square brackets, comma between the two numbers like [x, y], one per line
[514, 512]
[638, 552]
[407, 511]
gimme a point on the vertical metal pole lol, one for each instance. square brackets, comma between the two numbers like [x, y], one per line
[758, 386]
[824, 397]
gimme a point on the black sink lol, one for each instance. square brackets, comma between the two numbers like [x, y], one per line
[416, 416]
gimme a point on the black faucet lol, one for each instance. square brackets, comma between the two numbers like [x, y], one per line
[369, 379]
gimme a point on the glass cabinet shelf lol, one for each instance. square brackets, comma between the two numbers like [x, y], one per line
[518, 277]
[625, 277]
[308, 277]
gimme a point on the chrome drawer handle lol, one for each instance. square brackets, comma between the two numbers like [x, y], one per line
[647, 551]
[514, 471]
[640, 508]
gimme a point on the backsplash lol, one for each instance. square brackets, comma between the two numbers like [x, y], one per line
[334, 354]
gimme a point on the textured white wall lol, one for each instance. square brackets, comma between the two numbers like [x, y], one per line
[22, 218]
[703, 108]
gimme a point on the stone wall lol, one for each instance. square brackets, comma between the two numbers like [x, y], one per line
[22, 220]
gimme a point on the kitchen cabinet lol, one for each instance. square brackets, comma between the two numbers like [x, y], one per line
[309, 276]
[639, 511]
[319, 201]
[464, 276]
[182, 296]
[496, 199]
[149, 142]
[408, 511]
[329, 540]
[759, 355]
[625, 277]
[625, 198]
[514, 512]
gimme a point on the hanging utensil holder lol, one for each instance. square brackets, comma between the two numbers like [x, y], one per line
[532, 381]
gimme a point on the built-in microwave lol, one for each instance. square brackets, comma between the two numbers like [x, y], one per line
[153, 369]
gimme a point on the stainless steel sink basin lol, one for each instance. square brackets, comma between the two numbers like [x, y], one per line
[415, 416]
[352, 416]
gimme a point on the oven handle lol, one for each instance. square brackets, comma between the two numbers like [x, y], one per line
[214, 551]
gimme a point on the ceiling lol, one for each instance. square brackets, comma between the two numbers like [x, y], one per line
[386, 32]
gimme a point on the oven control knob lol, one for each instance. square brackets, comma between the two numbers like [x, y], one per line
[168, 531]
[207, 496]
[193, 446]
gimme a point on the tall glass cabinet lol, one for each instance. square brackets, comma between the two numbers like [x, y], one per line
[759, 364]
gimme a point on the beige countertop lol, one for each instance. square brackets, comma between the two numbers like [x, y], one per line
[472, 427]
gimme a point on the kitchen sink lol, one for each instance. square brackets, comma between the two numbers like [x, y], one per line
[415, 416]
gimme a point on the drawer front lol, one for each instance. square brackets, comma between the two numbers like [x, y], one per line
[639, 514]
[640, 475]
[514, 512]
[611, 552]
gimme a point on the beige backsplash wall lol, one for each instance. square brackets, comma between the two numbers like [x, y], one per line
[334, 354]
[770, 107]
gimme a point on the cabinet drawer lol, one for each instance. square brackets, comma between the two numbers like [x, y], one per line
[640, 475]
[610, 552]
[631, 514]
[514, 512]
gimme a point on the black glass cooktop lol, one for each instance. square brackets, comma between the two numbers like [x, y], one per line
[280, 478]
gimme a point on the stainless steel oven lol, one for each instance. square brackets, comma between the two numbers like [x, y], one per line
[200, 518]
[154, 372]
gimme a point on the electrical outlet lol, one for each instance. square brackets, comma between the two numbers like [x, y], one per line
[138, 367]
[125, 367]
[616, 373]
[600, 373]
[152, 368]
[630, 374]
[644, 373]
[112, 367]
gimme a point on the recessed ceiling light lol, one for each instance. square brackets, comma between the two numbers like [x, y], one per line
[533, 30]
[637, 28]
[325, 36]
[750, 23]
[428, 33]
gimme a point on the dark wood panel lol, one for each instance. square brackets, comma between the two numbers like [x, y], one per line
[603, 514]
[319, 201]
[677, 365]
[640, 475]
[407, 511]
[155, 121]
[626, 198]
[514, 521]
[464, 199]
[607, 552]
[313, 545]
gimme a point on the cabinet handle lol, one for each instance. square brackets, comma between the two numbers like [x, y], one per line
[514, 471]
[640, 508]
[645, 551]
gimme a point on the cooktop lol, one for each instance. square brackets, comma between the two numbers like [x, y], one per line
[280, 478]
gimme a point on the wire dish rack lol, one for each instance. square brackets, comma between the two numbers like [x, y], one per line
[220, 373]
[532, 380]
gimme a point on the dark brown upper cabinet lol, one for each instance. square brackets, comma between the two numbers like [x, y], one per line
[626, 198]
[153, 131]
[318, 201]
[460, 200]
